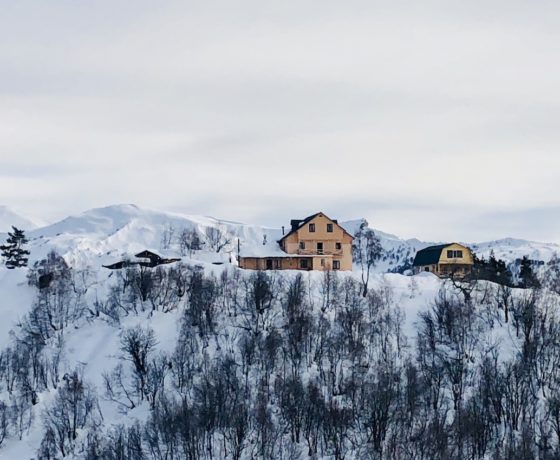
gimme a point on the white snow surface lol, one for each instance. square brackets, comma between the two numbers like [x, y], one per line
[105, 235]
[10, 217]
[102, 235]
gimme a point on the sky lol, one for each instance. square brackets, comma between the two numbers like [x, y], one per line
[436, 119]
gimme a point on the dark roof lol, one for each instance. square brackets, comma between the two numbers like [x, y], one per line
[147, 255]
[154, 261]
[429, 255]
[296, 224]
[117, 265]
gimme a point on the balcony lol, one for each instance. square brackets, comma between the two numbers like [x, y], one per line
[319, 252]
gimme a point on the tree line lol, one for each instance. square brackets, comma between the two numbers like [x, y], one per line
[279, 365]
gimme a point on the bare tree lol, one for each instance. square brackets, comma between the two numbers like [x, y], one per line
[217, 239]
[367, 250]
[167, 236]
[137, 343]
[189, 242]
[117, 390]
[73, 407]
[4, 419]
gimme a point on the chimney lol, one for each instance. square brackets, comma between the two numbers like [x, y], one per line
[295, 224]
[282, 230]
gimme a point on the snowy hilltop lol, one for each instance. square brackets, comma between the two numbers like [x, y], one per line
[198, 359]
[98, 236]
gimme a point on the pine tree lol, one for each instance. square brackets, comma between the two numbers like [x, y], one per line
[527, 276]
[13, 251]
[493, 269]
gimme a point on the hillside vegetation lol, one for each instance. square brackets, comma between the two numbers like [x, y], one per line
[201, 360]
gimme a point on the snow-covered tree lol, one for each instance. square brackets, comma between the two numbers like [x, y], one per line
[217, 240]
[367, 250]
[14, 250]
[527, 276]
[189, 241]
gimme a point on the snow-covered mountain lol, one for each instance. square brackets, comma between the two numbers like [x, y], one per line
[98, 236]
[9, 217]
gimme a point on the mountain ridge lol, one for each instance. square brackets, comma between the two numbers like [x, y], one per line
[10, 217]
[111, 231]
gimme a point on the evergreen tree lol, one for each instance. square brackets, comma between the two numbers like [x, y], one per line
[13, 251]
[493, 269]
[527, 276]
[500, 272]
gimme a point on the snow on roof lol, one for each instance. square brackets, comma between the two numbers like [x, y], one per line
[270, 249]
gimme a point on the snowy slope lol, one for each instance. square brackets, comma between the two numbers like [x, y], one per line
[93, 345]
[104, 235]
[511, 249]
[10, 217]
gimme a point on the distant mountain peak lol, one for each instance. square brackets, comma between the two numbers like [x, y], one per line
[95, 235]
[10, 217]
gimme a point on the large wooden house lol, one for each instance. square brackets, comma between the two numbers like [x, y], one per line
[314, 243]
[445, 260]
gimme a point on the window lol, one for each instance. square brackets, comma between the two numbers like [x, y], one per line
[454, 254]
[322, 262]
[329, 228]
[336, 264]
[303, 264]
[312, 228]
[319, 247]
[338, 246]
[277, 264]
[302, 244]
[269, 264]
[426, 269]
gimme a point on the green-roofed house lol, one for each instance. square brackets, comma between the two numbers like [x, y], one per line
[445, 260]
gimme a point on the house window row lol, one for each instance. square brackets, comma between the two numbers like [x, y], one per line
[337, 245]
[304, 264]
[330, 228]
[454, 254]
[269, 263]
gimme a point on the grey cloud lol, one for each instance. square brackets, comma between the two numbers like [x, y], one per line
[433, 119]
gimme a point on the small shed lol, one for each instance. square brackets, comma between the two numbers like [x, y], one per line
[145, 258]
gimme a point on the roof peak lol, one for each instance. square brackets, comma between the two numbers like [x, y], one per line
[296, 224]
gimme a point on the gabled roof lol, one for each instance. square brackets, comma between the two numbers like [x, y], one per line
[297, 224]
[429, 255]
[148, 255]
[147, 259]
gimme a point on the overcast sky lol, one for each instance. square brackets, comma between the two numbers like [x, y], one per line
[434, 119]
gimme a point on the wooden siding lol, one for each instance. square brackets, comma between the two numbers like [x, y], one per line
[324, 258]
[291, 244]
[284, 263]
[449, 265]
